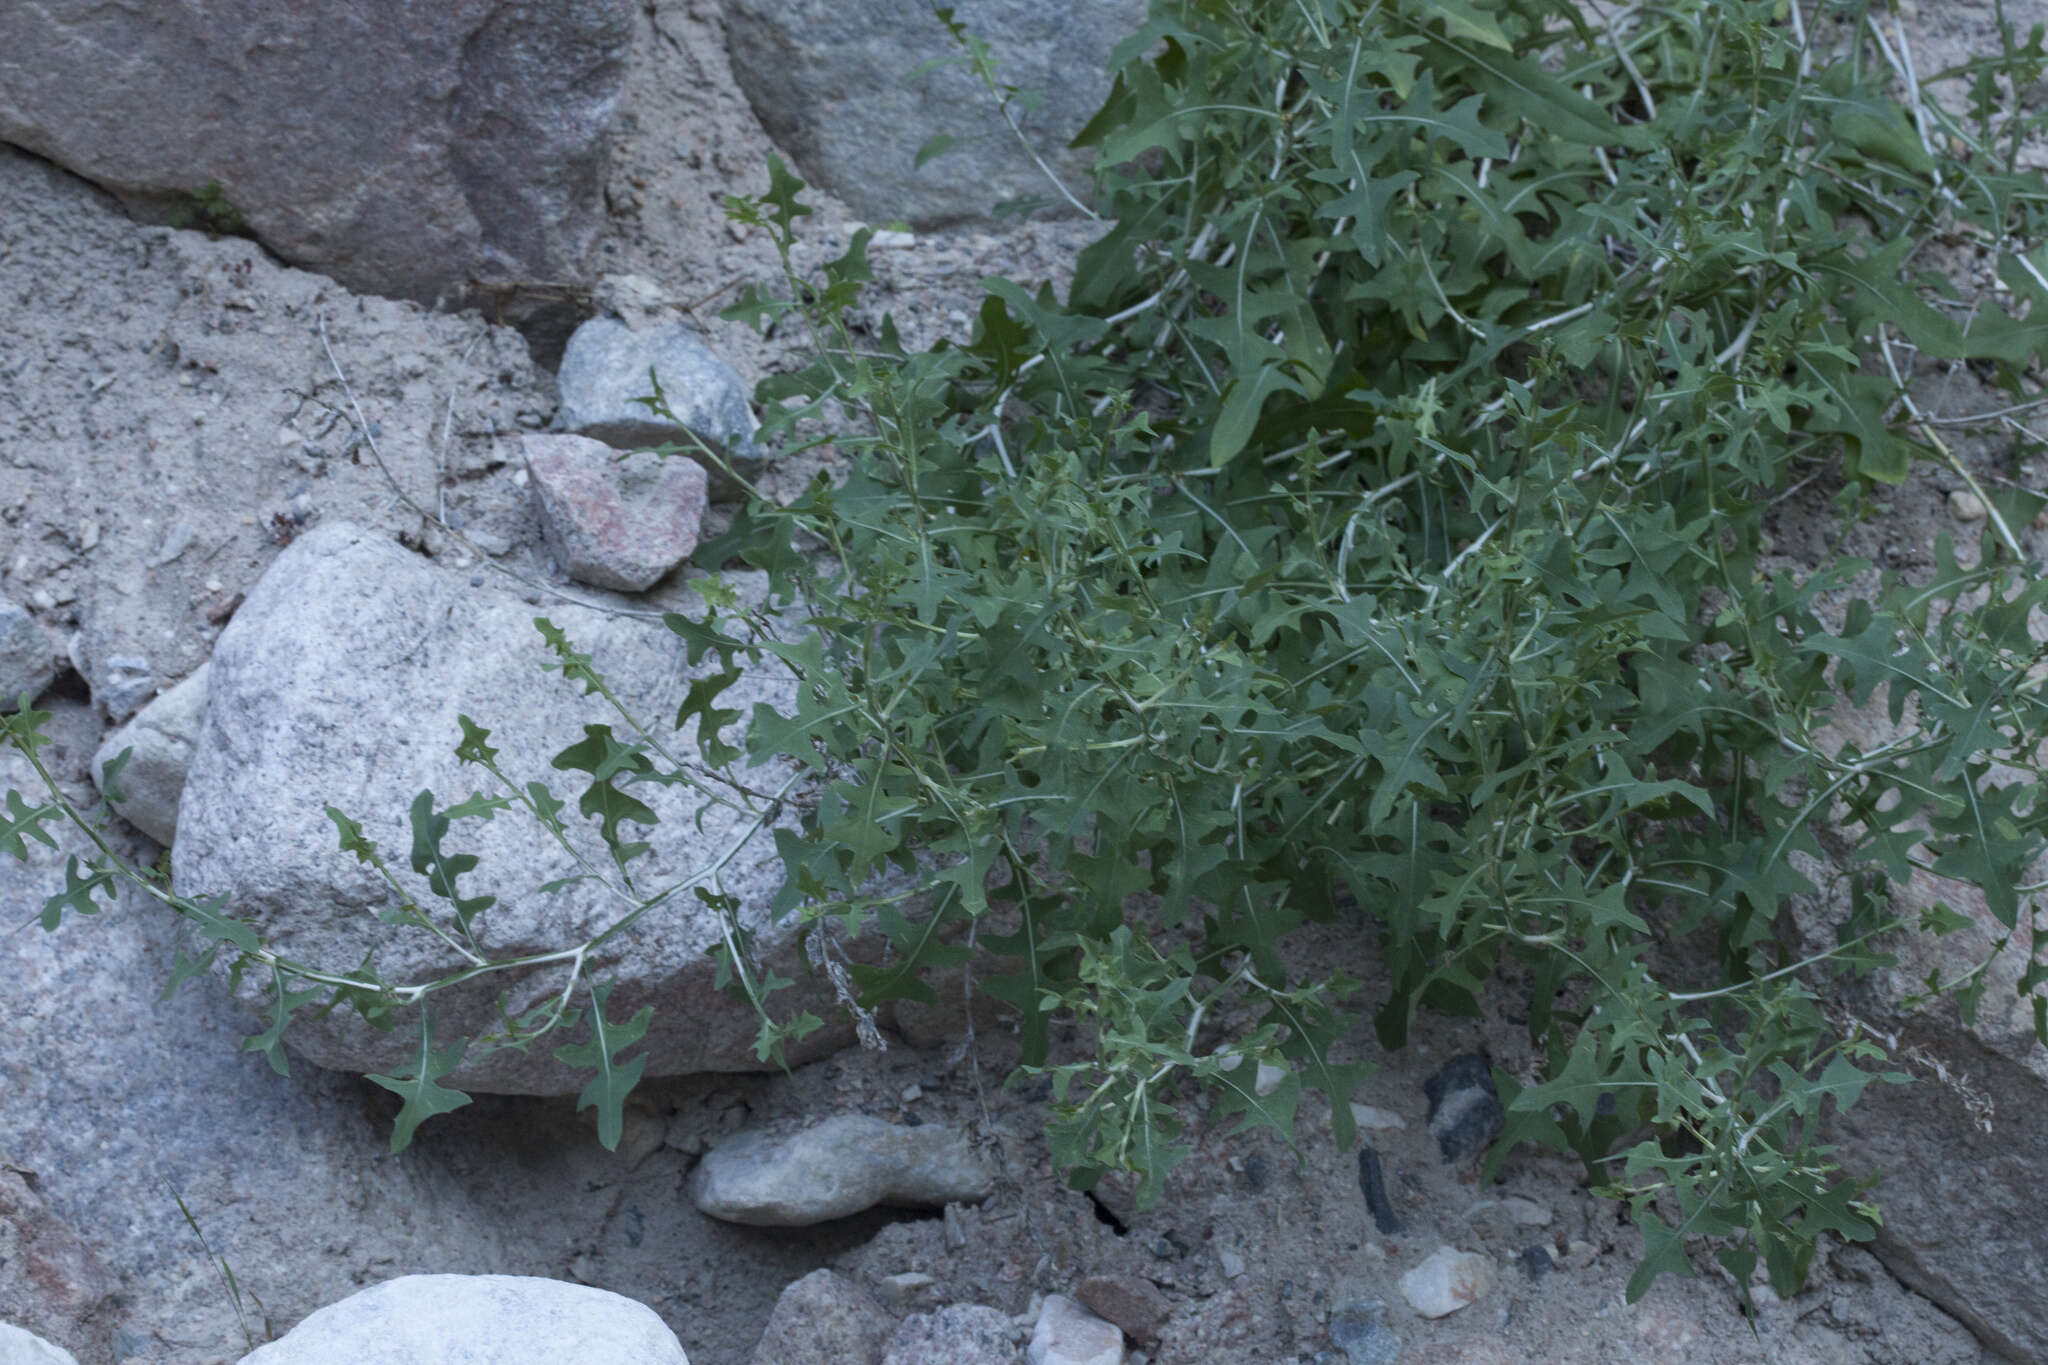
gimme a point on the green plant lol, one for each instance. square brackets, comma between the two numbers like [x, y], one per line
[207, 209]
[1383, 509]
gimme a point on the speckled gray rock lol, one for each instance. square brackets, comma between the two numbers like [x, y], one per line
[614, 522]
[477, 1320]
[19, 1347]
[1068, 1334]
[161, 738]
[847, 1163]
[1359, 1329]
[26, 661]
[960, 1334]
[405, 151]
[341, 680]
[605, 369]
[824, 1319]
[831, 84]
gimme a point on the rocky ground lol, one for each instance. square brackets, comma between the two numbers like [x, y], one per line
[175, 410]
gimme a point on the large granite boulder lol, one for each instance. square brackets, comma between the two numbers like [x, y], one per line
[831, 82]
[340, 681]
[476, 1320]
[417, 151]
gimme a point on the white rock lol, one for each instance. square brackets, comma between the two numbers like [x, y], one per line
[1449, 1280]
[847, 1163]
[161, 736]
[1526, 1212]
[477, 1320]
[1966, 506]
[906, 1287]
[19, 1347]
[1068, 1334]
[1370, 1116]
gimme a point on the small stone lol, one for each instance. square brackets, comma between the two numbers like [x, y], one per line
[176, 541]
[159, 743]
[1526, 1212]
[1233, 1264]
[1135, 1305]
[1535, 1261]
[888, 239]
[835, 1168]
[615, 523]
[1448, 1281]
[912, 1093]
[1965, 506]
[1465, 1113]
[955, 1223]
[1068, 1334]
[907, 1287]
[959, 1334]
[88, 535]
[823, 1319]
[27, 663]
[125, 687]
[1359, 1329]
[606, 368]
[1367, 1116]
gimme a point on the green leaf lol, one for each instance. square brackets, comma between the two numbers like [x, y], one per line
[419, 1087]
[936, 145]
[25, 822]
[607, 1090]
[79, 889]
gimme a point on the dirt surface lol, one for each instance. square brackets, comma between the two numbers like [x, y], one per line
[153, 380]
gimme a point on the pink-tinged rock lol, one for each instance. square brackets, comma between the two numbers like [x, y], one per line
[615, 522]
[1449, 1280]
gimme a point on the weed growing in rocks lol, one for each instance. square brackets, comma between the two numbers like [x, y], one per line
[1379, 519]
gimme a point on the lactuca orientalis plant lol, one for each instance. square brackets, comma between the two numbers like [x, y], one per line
[1380, 518]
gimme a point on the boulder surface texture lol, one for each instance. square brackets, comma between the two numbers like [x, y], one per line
[406, 150]
[341, 681]
[831, 82]
[477, 1320]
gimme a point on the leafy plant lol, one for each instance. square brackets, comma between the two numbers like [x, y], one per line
[1380, 519]
[209, 210]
